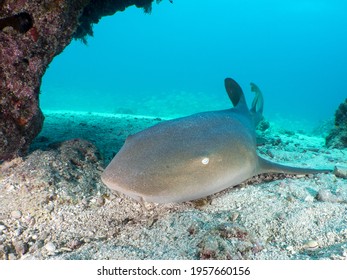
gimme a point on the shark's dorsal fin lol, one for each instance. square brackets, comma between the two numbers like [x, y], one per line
[235, 94]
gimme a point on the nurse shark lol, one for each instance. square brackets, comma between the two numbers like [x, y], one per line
[193, 157]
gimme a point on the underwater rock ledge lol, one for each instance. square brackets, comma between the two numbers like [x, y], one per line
[337, 137]
[32, 33]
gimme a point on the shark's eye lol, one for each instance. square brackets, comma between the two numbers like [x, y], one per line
[205, 160]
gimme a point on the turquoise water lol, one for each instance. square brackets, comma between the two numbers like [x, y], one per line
[173, 61]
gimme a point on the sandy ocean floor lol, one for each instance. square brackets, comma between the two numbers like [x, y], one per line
[54, 206]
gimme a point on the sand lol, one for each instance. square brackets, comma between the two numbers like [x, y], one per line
[54, 206]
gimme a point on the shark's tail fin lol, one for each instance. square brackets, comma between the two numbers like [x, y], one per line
[257, 104]
[265, 166]
[235, 94]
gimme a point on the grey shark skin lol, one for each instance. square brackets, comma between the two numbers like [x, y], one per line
[192, 157]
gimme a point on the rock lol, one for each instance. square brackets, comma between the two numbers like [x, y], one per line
[28, 42]
[327, 196]
[263, 125]
[337, 137]
[50, 247]
[340, 171]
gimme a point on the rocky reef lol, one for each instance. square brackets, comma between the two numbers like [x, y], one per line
[32, 33]
[337, 138]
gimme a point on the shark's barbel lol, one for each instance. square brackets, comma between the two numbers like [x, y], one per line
[196, 156]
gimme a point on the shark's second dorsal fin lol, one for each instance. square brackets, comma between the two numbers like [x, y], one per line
[257, 104]
[235, 94]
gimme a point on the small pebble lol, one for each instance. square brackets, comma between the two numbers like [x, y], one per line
[74, 244]
[290, 198]
[2, 240]
[291, 249]
[16, 214]
[32, 222]
[270, 153]
[39, 244]
[192, 230]
[281, 216]
[100, 201]
[199, 203]
[2, 228]
[50, 247]
[50, 206]
[344, 253]
[60, 218]
[234, 216]
[309, 198]
[311, 245]
[86, 240]
[21, 247]
[18, 231]
[331, 237]
[12, 256]
[27, 218]
[65, 249]
[151, 221]
[84, 203]
[327, 196]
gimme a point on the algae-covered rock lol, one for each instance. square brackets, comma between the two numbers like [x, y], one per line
[338, 135]
[32, 33]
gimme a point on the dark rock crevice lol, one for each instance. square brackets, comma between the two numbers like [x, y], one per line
[32, 33]
[21, 22]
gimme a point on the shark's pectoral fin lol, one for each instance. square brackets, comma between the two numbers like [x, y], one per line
[265, 166]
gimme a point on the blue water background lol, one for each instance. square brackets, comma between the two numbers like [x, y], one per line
[173, 61]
